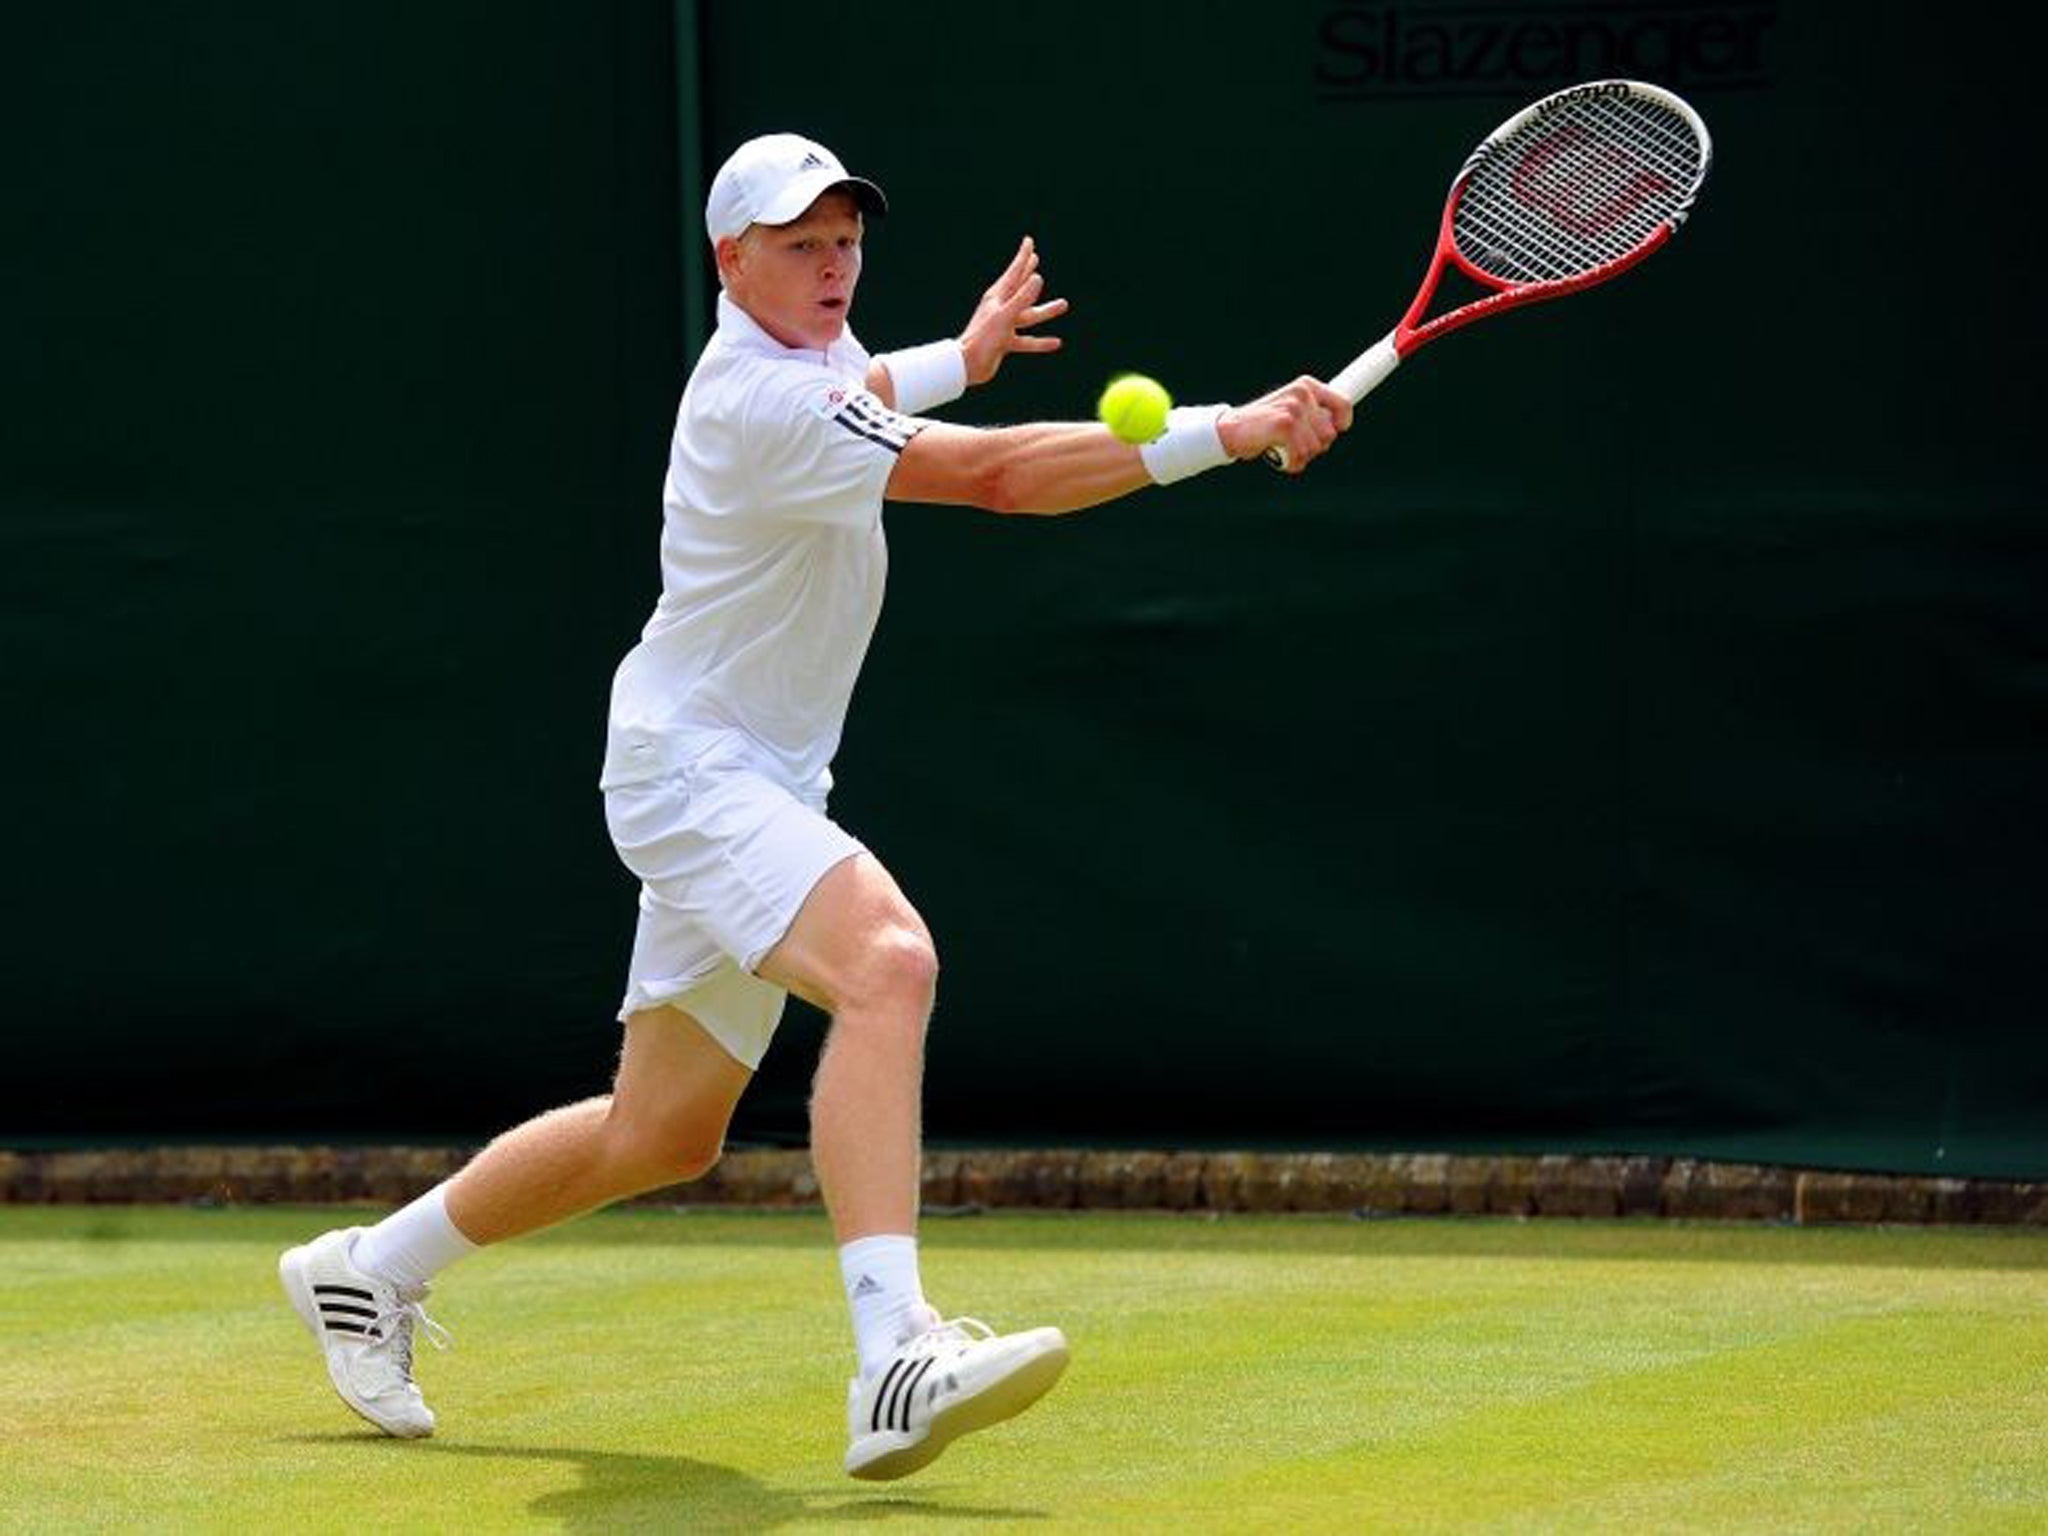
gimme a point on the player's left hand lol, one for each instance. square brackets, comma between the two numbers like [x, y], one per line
[1009, 308]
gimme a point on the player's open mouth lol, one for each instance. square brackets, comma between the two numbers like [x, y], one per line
[832, 303]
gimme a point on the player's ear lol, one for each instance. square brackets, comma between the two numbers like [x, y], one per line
[731, 252]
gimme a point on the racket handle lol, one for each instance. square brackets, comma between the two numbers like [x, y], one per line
[1365, 372]
[1359, 378]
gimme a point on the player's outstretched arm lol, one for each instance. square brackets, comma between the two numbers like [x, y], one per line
[1053, 467]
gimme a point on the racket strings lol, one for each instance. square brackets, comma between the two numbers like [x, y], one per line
[1573, 190]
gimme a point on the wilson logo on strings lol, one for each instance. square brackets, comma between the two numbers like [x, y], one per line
[1387, 52]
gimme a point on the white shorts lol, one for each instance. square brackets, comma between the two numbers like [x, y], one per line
[725, 857]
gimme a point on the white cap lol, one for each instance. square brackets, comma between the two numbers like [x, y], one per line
[773, 179]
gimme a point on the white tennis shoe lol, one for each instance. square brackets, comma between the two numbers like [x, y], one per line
[364, 1326]
[947, 1382]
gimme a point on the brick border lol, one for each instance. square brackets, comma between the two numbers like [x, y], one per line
[1368, 1184]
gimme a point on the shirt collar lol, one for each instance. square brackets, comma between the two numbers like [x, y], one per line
[743, 330]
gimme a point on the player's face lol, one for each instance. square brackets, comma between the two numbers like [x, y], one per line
[797, 279]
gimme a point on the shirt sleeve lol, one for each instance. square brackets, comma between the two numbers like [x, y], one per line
[820, 448]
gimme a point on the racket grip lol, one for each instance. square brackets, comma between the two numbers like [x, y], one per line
[1365, 372]
[1359, 378]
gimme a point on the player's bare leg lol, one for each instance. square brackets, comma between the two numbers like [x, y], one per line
[359, 1291]
[859, 950]
[663, 1123]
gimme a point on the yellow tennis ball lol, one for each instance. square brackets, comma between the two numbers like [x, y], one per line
[1134, 407]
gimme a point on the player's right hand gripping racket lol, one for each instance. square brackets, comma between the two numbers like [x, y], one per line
[1570, 191]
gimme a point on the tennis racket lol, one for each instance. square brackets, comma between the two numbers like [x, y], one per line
[1570, 191]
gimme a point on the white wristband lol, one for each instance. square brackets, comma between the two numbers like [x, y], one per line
[926, 376]
[1189, 445]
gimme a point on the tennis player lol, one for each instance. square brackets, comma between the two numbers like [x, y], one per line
[724, 721]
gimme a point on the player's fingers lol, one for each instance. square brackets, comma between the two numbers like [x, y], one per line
[1300, 447]
[1051, 309]
[1336, 403]
[1020, 266]
[1035, 344]
[1024, 297]
[1315, 409]
[1017, 282]
[1312, 434]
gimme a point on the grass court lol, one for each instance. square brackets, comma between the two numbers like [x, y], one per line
[680, 1371]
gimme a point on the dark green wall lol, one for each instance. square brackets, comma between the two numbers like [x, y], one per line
[1630, 737]
[342, 351]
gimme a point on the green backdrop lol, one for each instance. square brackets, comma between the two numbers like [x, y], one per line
[1630, 738]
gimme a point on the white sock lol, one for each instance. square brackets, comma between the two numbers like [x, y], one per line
[885, 1296]
[410, 1246]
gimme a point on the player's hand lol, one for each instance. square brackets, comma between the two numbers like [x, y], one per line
[1009, 308]
[1302, 418]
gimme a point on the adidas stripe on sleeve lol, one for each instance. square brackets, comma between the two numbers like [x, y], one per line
[864, 415]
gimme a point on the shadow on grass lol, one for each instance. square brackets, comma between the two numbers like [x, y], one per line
[617, 1491]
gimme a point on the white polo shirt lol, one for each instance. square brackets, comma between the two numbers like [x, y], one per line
[772, 563]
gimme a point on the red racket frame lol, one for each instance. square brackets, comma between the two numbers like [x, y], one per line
[1508, 293]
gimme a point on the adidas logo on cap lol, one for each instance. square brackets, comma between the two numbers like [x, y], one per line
[810, 159]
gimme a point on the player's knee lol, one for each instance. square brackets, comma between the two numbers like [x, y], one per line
[902, 970]
[890, 986]
[691, 1159]
[662, 1152]
[677, 1162]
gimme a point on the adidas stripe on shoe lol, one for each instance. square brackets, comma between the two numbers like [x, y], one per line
[364, 1326]
[947, 1382]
